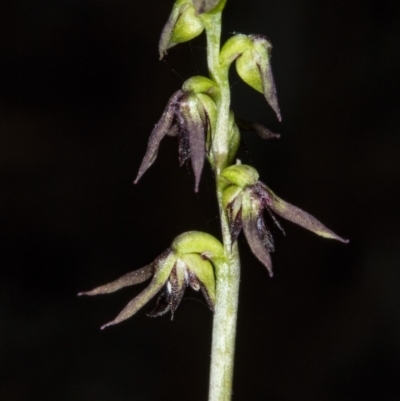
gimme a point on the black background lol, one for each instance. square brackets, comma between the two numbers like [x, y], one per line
[81, 88]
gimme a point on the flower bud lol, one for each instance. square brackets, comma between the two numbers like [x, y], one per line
[182, 26]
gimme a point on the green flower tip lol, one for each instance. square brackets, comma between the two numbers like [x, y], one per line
[245, 198]
[189, 262]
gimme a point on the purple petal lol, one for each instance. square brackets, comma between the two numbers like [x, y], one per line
[158, 133]
[183, 147]
[162, 269]
[173, 131]
[137, 303]
[254, 229]
[275, 220]
[235, 218]
[265, 234]
[176, 287]
[297, 216]
[192, 124]
[132, 278]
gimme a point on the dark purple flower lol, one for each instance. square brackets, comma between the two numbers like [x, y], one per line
[245, 199]
[189, 116]
[189, 262]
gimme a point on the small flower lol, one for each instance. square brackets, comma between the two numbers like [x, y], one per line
[245, 199]
[190, 114]
[252, 54]
[189, 261]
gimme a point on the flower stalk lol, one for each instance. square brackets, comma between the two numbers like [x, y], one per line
[199, 115]
[228, 277]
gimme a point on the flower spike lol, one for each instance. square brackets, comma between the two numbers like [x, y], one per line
[190, 261]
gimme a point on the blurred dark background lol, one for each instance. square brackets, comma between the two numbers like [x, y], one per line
[81, 88]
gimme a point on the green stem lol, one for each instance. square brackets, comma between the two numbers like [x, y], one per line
[228, 275]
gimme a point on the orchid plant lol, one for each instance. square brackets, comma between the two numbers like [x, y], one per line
[200, 117]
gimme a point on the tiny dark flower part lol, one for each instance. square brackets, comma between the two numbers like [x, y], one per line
[194, 129]
[189, 271]
[162, 128]
[262, 131]
[245, 199]
[189, 262]
[183, 25]
[257, 234]
[191, 117]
